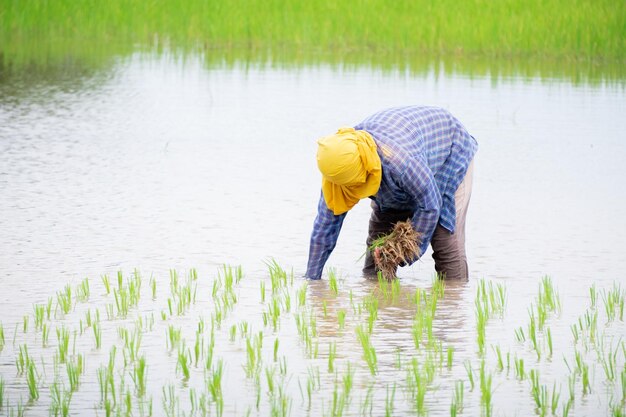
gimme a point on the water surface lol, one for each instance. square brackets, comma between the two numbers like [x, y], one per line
[157, 163]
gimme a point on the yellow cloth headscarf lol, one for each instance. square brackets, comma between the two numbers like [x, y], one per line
[350, 168]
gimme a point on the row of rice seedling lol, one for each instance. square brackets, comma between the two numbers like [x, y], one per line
[298, 347]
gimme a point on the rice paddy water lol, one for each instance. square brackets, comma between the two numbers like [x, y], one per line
[146, 184]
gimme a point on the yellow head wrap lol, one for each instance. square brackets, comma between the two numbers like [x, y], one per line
[350, 168]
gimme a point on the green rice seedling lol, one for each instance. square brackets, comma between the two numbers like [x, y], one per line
[173, 337]
[458, 395]
[122, 301]
[383, 286]
[486, 392]
[613, 302]
[520, 373]
[88, 319]
[120, 280]
[519, 335]
[198, 347]
[253, 358]
[193, 399]
[60, 400]
[2, 388]
[269, 377]
[367, 405]
[348, 380]
[593, 295]
[324, 308]
[453, 409]
[332, 353]
[170, 306]
[500, 362]
[153, 287]
[567, 406]
[301, 295]
[369, 353]
[398, 362]
[310, 386]
[282, 366]
[139, 375]
[571, 384]
[548, 335]
[170, 401]
[591, 324]
[109, 308]
[276, 343]
[585, 379]
[244, 328]
[481, 322]
[232, 333]
[82, 291]
[390, 400]
[608, 360]
[107, 283]
[623, 380]
[184, 361]
[280, 405]
[22, 359]
[470, 373]
[548, 300]
[238, 274]
[278, 276]
[262, 287]
[214, 381]
[39, 312]
[438, 287]
[417, 382]
[217, 284]
[395, 290]
[370, 303]
[25, 324]
[341, 318]
[449, 355]
[1, 337]
[273, 312]
[132, 343]
[64, 299]
[554, 399]
[532, 333]
[575, 333]
[74, 370]
[578, 357]
[97, 333]
[102, 376]
[49, 309]
[535, 388]
[332, 282]
[63, 339]
[208, 362]
[32, 379]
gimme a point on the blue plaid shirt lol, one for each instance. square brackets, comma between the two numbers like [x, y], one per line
[425, 152]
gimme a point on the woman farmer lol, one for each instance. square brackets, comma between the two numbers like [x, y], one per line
[414, 163]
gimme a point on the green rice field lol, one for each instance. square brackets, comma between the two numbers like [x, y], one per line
[551, 38]
[275, 345]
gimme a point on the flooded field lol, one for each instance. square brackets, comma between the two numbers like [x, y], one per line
[166, 170]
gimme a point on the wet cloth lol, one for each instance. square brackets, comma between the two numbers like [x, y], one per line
[424, 153]
[350, 167]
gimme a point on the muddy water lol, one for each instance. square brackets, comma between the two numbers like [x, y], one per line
[157, 164]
